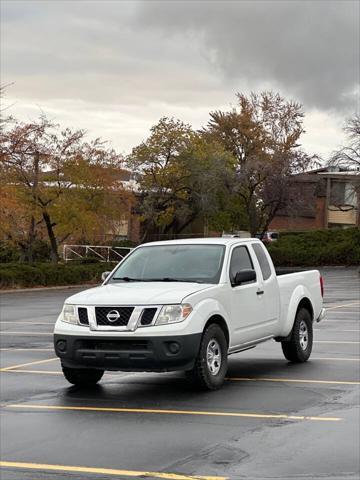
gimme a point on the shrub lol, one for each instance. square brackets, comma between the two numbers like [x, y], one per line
[123, 243]
[316, 248]
[41, 251]
[86, 261]
[16, 275]
[12, 253]
[8, 252]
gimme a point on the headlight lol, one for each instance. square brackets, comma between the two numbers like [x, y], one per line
[69, 314]
[173, 313]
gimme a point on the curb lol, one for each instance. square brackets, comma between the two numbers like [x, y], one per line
[40, 289]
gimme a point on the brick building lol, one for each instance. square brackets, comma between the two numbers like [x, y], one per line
[331, 199]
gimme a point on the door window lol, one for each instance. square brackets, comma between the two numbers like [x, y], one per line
[240, 260]
[263, 261]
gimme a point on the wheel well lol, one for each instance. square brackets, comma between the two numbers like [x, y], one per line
[218, 319]
[305, 303]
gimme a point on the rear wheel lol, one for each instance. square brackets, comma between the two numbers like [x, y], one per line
[298, 348]
[82, 376]
[211, 363]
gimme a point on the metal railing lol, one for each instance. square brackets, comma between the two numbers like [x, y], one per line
[104, 253]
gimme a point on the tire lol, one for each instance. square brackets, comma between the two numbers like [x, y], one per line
[210, 375]
[82, 376]
[298, 348]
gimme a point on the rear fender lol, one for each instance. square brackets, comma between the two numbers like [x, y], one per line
[289, 312]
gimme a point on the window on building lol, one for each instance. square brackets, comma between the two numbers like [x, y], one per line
[342, 193]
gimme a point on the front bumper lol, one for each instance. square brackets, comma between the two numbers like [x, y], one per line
[161, 353]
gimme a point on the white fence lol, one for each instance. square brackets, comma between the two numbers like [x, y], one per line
[104, 253]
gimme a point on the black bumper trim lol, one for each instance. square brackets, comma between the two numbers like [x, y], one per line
[153, 354]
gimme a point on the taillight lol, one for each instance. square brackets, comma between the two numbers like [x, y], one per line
[322, 286]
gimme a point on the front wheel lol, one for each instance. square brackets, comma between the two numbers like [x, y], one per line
[211, 363]
[82, 376]
[298, 348]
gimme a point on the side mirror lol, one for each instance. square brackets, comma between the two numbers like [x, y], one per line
[104, 276]
[244, 276]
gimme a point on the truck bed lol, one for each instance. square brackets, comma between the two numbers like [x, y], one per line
[287, 270]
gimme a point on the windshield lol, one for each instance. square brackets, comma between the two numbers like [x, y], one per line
[172, 263]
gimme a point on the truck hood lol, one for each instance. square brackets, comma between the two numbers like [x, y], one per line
[141, 293]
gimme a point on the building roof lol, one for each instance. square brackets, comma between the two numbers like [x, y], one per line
[352, 174]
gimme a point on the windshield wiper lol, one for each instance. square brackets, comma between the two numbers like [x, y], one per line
[162, 279]
[166, 279]
[129, 279]
[171, 279]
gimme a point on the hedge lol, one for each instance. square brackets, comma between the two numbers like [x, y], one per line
[19, 275]
[317, 248]
[313, 248]
[10, 253]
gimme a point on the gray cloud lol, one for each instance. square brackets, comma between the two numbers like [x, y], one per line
[310, 48]
[96, 51]
[129, 62]
[132, 51]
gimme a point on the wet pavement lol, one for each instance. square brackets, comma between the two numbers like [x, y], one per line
[272, 419]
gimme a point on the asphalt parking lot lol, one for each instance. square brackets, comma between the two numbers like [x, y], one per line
[272, 419]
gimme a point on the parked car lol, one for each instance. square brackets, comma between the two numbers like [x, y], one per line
[187, 305]
[268, 237]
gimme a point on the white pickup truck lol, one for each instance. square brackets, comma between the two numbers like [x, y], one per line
[187, 305]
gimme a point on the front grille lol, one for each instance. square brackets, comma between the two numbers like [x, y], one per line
[83, 316]
[147, 316]
[107, 316]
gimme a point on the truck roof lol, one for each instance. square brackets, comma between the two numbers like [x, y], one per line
[204, 241]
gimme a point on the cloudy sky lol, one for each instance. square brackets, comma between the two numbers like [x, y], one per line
[115, 67]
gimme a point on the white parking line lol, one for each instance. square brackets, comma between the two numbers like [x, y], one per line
[340, 321]
[26, 333]
[336, 342]
[26, 323]
[336, 359]
[14, 349]
[334, 330]
[292, 380]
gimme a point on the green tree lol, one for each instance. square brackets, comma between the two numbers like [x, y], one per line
[181, 176]
[162, 175]
[211, 170]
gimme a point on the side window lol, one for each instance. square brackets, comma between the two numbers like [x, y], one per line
[240, 260]
[263, 261]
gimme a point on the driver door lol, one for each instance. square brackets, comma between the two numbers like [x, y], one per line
[246, 300]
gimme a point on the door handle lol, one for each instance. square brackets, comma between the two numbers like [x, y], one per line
[260, 292]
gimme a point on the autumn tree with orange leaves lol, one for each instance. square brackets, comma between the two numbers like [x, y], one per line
[262, 134]
[54, 182]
